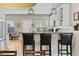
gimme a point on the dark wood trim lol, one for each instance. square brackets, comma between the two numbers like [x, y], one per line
[6, 53]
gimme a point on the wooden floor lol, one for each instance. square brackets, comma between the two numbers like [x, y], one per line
[16, 44]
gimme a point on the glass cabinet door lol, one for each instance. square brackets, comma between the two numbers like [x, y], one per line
[61, 16]
[41, 25]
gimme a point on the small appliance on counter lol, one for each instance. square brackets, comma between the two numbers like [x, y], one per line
[54, 30]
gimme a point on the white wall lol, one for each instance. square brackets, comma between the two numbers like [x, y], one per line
[74, 8]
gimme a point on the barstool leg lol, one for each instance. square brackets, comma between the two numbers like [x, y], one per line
[71, 49]
[32, 49]
[50, 49]
[67, 49]
[40, 48]
[24, 47]
[61, 49]
[58, 48]
[33, 46]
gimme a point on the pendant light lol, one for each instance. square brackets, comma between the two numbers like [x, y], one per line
[17, 5]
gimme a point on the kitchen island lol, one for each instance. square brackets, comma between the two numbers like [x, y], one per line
[54, 43]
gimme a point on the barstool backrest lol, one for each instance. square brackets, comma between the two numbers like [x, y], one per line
[45, 39]
[66, 38]
[28, 38]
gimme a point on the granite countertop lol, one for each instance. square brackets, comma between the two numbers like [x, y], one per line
[42, 32]
[45, 32]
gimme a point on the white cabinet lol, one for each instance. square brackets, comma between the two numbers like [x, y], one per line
[27, 26]
[62, 17]
[65, 16]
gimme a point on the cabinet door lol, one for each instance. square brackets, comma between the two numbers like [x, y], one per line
[27, 25]
[61, 16]
[64, 15]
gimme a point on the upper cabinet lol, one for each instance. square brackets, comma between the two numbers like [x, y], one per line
[64, 15]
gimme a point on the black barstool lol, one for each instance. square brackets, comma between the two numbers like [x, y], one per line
[28, 39]
[45, 40]
[65, 40]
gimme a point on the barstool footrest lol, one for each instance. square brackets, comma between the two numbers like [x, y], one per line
[63, 50]
[65, 53]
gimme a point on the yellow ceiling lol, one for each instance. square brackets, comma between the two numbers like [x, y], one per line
[17, 5]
